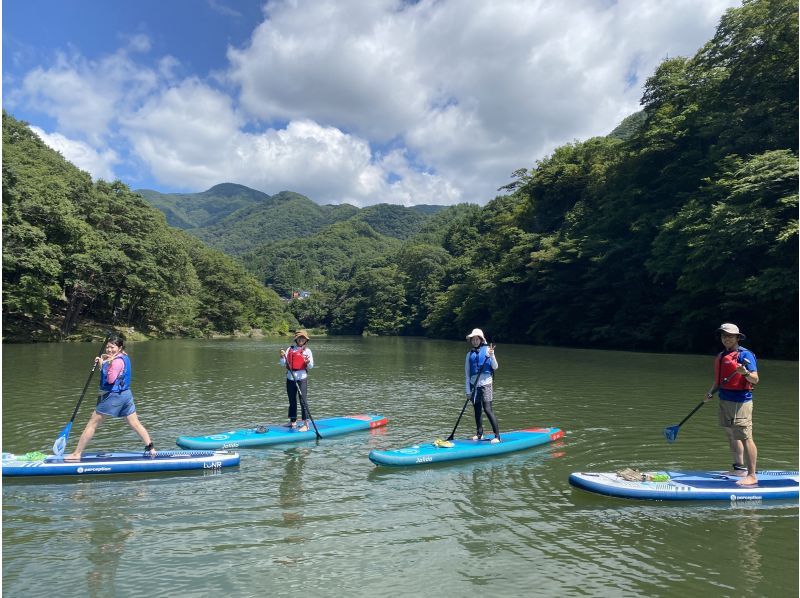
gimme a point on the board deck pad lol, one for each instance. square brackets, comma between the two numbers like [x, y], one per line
[438, 452]
[269, 434]
[691, 485]
[116, 462]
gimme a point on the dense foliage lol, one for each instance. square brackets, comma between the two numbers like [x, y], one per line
[74, 250]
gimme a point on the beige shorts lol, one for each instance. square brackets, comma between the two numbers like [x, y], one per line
[738, 417]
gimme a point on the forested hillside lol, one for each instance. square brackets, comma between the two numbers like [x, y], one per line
[76, 252]
[194, 210]
[237, 220]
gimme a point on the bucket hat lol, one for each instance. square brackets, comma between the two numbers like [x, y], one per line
[728, 328]
[476, 332]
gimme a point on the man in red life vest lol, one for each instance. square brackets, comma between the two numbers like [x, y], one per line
[297, 359]
[735, 374]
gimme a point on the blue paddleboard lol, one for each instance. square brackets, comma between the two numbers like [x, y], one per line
[34, 464]
[435, 452]
[690, 485]
[282, 433]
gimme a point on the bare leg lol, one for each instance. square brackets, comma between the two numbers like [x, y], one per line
[751, 454]
[88, 432]
[133, 422]
[737, 452]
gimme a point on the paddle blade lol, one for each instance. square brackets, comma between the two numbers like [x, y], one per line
[61, 442]
[671, 433]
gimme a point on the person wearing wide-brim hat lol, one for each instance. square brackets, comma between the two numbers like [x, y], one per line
[735, 375]
[479, 370]
[297, 360]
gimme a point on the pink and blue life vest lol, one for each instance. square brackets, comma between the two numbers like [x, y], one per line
[123, 381]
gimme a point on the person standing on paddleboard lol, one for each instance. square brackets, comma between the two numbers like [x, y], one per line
[735, 374]
[297, 360]
[114, 397]
[479, 371]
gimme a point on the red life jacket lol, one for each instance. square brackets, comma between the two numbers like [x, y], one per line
[725, 371]
[294, 359]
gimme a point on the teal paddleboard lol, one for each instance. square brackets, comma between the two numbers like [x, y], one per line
[268, 434]
[459, 449]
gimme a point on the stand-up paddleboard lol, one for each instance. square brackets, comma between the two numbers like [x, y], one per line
[38, 464]
[458, 449]
[690, 485]
[282, 433]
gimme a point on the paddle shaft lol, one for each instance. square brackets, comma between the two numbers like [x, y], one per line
[692, 413]
[471, 397]
[303, 402]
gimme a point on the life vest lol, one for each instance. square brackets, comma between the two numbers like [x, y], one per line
[725, 371]
[477, 359]
[123, 381]
[294, 359]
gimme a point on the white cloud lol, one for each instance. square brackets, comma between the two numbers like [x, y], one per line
[477, 89]
[191, 136]
[99, 164]
[86, 96]
[436, 101]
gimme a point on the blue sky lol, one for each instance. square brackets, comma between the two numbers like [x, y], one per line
[358, 101]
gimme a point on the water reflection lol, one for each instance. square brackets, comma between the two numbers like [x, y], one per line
[290, 489]
[110, 527]
[748, 532]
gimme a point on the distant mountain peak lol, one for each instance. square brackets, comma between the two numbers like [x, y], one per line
[234, 190]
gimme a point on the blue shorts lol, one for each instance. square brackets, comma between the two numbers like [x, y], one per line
[115, 404]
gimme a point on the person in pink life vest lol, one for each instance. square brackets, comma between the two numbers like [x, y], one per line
[297, 360]
[735, 375]
[114, 397]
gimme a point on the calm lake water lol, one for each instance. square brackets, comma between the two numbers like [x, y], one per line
[319, 519]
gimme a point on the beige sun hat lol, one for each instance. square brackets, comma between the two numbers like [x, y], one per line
[302, 333]
[476, 332]
[729, 328]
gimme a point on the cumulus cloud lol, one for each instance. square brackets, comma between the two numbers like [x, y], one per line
[99, 164]
[192, 135]
[436, 101]
[476, 90]
[86, 96]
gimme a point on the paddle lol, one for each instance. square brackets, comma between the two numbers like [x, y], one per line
[303, 399]
[471, 397]
[61, 442]
[671, 432]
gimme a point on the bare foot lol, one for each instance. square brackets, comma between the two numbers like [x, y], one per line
[749, 480]
[303, 428]
[73, 457]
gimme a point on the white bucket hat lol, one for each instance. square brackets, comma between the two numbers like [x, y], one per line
[728, 328]
[476, 332]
